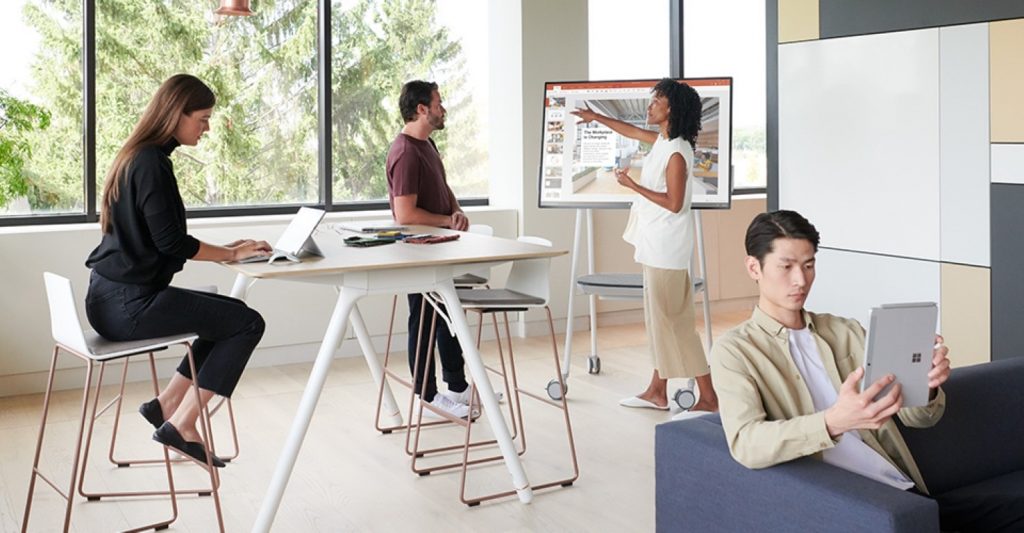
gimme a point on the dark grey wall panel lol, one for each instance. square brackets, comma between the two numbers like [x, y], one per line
[1007, 271]
[771, 34]
[842, 18]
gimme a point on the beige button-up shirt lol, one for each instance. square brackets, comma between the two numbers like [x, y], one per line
[766, 408]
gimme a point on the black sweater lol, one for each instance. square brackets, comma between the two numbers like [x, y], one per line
[148, 240]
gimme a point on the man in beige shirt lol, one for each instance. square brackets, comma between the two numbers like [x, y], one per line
[788, 379]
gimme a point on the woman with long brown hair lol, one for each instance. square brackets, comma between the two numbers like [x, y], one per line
[145, 242]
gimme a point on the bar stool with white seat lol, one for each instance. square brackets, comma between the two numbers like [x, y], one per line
[119, 399]
[87, 345]
[528, 287]
[475, 278]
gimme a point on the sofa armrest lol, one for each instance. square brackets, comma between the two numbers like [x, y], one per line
[979, 436]
[700, 487]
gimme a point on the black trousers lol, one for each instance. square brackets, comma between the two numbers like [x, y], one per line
[982, 512]
[978, 513]
[228, 329]
[452, 364]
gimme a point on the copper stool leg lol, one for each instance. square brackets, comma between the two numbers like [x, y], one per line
[387, 373]
[69, 495]
[204, 427]
[156, 391]
[117, 402]
[39, 444]
[562, 404]
[418, 453]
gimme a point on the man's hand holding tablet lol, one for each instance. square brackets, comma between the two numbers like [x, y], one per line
[899, 336]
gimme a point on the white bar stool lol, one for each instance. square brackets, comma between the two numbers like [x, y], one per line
[528, 287]
[476, 278]
[87, 345]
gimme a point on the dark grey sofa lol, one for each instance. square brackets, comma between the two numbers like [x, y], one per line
[977, 447]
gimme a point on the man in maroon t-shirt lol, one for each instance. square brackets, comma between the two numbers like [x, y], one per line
[419, 195]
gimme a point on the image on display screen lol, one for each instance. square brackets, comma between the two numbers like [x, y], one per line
[578, 160]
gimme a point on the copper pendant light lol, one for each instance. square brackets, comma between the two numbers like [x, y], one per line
[238, 8]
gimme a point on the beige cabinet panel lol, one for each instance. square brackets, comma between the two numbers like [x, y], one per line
[1006, 66]
[966, 313]
[798, 20]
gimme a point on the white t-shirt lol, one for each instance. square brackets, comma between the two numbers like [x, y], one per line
[662, 239]
[850, 453]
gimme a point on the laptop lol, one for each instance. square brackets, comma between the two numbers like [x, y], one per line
[297, 240]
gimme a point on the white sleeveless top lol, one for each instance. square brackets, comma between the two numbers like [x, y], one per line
[662, 239]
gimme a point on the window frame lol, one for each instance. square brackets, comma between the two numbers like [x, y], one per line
[676, 43]
[324, 153]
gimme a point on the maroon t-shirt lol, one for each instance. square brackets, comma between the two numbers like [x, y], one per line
[414, 167]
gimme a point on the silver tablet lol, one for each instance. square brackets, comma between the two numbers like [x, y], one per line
[900, 341]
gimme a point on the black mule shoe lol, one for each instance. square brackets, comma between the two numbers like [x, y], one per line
[152, 412]
[168, 435]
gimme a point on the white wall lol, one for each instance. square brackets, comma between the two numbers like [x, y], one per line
[851, 283]
[859, 140]
[552, 45]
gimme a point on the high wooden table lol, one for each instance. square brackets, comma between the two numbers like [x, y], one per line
[398, 268]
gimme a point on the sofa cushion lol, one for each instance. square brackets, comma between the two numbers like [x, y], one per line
[980, 435]
[1003, 492]
[699, 487]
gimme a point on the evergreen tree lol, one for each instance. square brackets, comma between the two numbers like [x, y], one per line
[262, 147]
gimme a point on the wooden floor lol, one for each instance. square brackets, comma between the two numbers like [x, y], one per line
[349, 477]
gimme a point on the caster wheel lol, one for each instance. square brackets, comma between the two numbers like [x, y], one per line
[685, 398]
[593, 365]
[556, 391]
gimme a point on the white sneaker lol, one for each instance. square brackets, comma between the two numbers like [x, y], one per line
[445, 404]
[463, 397]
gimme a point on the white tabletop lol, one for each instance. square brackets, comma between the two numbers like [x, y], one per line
[339, 258]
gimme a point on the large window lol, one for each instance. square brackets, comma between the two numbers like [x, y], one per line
[41, 108]
[726, 38]
[379, 45]
[262, 145]
[628, 40]
[263, 153]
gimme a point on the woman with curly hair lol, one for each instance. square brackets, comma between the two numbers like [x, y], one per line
[661, 229]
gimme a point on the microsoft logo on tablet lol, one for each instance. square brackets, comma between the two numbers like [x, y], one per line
[916, 358]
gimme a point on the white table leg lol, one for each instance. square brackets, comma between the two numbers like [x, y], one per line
[376, 370]
[240, 289]
[335, 330]
[483, 384]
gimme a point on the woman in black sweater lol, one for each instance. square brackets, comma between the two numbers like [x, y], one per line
[145, 242]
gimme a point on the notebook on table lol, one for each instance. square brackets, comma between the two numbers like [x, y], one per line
[371, 226]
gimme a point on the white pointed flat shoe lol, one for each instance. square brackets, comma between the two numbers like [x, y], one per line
[641, 403]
